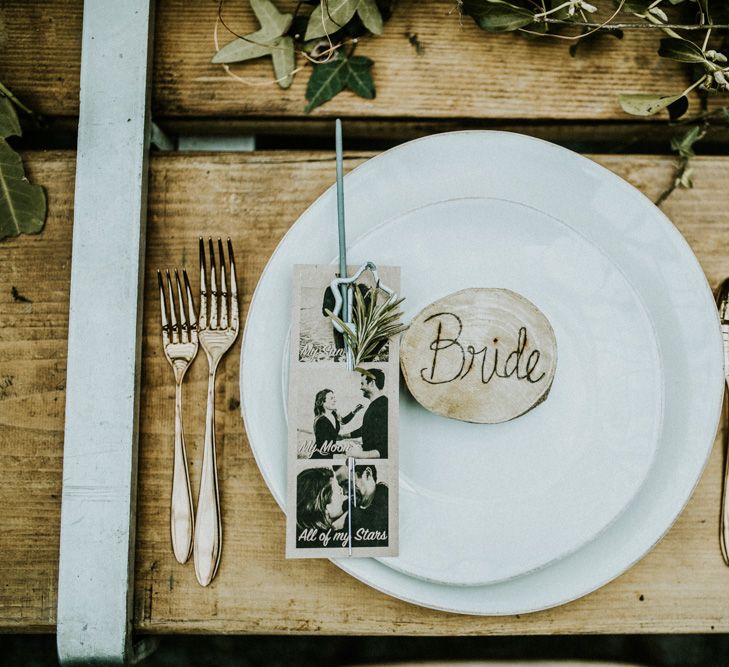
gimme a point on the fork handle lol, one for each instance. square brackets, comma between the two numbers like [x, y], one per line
[181, 519]
[724, 523]
[208, 529]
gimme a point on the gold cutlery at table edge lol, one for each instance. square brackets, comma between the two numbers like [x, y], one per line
[215, 329]
[180, 343]
[723, 305]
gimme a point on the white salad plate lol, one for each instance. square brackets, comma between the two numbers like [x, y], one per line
[532, 513]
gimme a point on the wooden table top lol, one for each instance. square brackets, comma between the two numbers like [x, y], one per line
[682, 586]
[488, 81]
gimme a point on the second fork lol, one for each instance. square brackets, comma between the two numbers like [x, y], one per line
[218, 329]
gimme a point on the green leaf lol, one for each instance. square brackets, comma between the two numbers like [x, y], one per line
[359, 80]
[685, 180]
[284, 62]
[255, 45]
[646, 104]
[497, 15]
[259, 43]
[326, 81]
[329, 79]
[370, 15]
[268, 41]
[330, 16]
[684, 145]
[9, 123]
[270, 18]
[681, 50]
[22, 205]
[678, 108]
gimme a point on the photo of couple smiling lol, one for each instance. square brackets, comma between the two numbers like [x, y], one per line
[322, 507]
[348, 418]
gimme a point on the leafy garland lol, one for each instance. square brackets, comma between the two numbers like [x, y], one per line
[326, 33]
[327, 37]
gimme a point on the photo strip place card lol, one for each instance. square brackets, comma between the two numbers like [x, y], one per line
[342, 429]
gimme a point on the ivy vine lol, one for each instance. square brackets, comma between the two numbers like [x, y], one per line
[325, 34]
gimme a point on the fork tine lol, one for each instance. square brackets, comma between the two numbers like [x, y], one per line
[203, 319]
[190, 308]
[223, 288]
[184, 329]
[163, 308]
[173, 315]
[213, 288]
[233, 289]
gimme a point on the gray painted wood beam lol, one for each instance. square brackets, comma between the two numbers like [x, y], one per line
[96, 565]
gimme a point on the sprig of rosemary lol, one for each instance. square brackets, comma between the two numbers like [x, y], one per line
[375, 323]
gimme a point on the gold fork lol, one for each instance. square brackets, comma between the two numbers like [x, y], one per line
[180, 346]
[217, 333]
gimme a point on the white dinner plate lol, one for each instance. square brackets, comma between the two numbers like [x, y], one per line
[519, 516]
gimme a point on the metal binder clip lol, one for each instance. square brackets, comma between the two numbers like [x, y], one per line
[336, 286]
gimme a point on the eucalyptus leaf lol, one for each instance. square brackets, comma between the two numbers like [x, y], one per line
[681, 50]
[330, 16]
[284, 62]
[646, 104]
[370, 15]
[497, 15]
[9, 123]
[22, 205]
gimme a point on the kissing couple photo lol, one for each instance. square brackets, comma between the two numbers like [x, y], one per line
[322, 506]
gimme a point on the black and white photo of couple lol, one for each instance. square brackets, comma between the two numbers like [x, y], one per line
[367, 420]
[341, 422]
[322, 507]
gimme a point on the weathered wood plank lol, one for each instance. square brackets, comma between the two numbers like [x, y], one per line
[680, 587]
[462, 73]
[35, 275]
[40, 43]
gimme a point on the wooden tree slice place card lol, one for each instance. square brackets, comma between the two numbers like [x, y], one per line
[480, 355]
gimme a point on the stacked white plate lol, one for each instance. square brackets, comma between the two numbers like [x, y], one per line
[532, 513]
